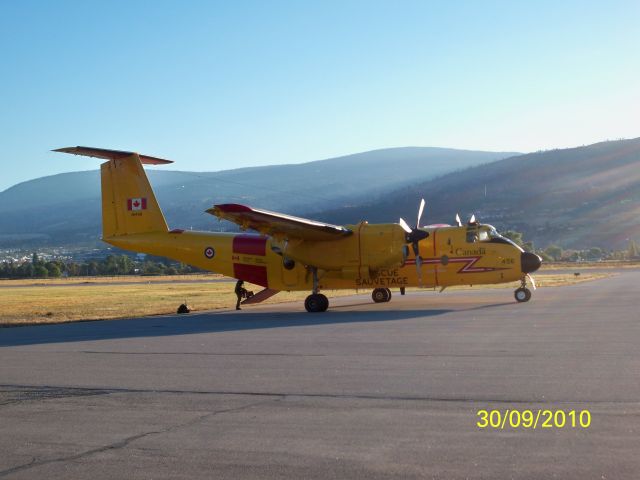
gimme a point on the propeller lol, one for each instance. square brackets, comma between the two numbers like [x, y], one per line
[458, 221]
[473, 220]
[413, 236]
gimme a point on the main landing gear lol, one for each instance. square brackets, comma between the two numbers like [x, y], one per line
[316, 302]
[381, 295]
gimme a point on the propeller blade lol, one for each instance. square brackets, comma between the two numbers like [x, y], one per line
[405, 226]
[458, 221]
[533, 282]
[473, 218]
[414, 235]
[420, 210]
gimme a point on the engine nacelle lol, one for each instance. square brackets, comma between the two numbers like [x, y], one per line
[369, 248]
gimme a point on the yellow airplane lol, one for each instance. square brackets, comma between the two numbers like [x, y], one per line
[291, 253]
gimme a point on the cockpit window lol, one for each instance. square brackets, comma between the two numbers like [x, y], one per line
[488, 233]
[472, 235]
[484, 233]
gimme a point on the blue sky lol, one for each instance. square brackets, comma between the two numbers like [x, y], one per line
[217, 85]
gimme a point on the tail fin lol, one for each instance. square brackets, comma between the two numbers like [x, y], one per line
[129, 205]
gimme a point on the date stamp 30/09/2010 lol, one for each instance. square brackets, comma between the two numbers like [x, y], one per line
[533, 419]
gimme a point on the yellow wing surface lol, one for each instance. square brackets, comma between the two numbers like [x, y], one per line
[278, 224]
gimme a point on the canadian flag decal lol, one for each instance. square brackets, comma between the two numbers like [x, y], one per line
[137, 204]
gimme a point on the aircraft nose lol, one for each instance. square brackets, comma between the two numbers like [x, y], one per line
[529, 262]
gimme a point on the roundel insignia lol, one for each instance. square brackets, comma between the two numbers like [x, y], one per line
[209, 252]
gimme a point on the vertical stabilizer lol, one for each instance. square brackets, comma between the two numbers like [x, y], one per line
[129, 205]
[128, 202]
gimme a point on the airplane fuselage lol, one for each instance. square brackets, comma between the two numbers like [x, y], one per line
[447, 260]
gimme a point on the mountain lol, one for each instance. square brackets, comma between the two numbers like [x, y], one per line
[576, 197]
[65, 209]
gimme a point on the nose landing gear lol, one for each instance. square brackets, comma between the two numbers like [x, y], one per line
[523, 294]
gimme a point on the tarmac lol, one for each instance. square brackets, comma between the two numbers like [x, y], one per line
[363, 391]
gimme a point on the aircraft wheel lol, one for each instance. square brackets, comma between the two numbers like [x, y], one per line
[522, 294]
[316, 302]
[381, 295]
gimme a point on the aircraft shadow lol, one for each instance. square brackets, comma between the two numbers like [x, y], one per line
[207, 322]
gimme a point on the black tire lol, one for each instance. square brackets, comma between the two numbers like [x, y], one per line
[325, 302]
[522, 295]
[316, 303]
[381, 295]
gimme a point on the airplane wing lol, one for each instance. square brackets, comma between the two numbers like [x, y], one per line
[272, 223]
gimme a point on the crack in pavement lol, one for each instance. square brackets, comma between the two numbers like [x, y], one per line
[128, 440]
[346, 396]
[19, 394]
[331, 355]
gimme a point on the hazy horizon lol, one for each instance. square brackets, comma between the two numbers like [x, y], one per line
[175, 166]
[216, 86]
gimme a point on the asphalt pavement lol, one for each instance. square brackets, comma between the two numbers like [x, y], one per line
[362, 391]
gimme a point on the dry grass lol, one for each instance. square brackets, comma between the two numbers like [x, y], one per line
[609, 264]
[54, 302]
[114, 279]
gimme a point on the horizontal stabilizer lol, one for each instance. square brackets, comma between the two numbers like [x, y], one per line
[111, 154]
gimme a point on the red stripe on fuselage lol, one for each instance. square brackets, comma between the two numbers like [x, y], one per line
[250, 244]
[251, 273]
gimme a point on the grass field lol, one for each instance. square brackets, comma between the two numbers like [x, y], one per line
[194, 277]
[608, 264]
[53, 301]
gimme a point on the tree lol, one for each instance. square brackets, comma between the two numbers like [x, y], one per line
[516, 237]
[40, 271]
[53, 270]
[545, 257]
[594, 253]
[554, 251]
[125, 265]
[171, 271]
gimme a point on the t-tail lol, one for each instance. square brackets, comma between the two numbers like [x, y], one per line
[132, 219]
[129, 205]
